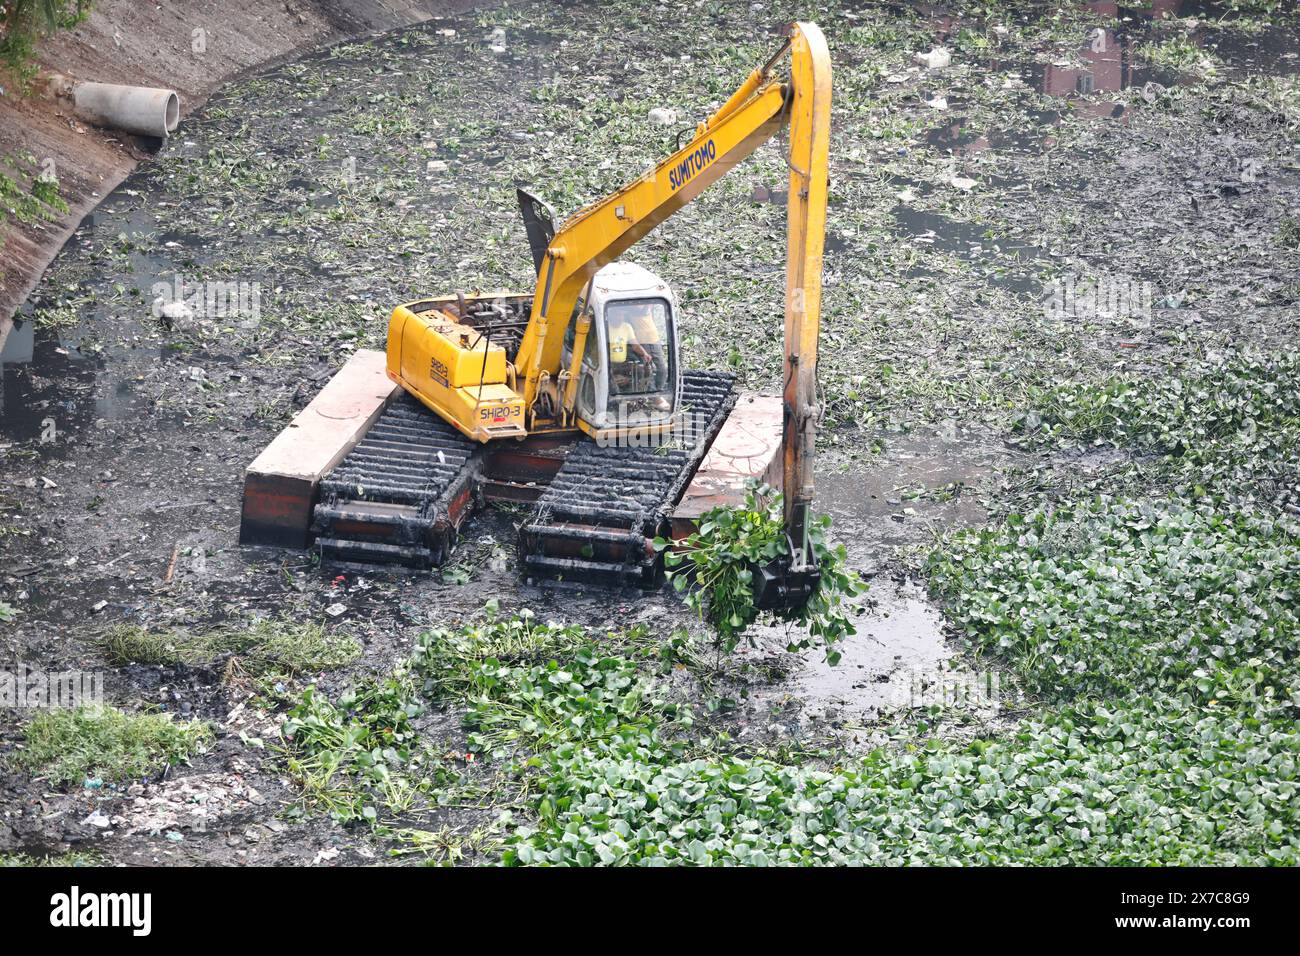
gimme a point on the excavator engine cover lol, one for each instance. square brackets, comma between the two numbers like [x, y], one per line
[455, 370]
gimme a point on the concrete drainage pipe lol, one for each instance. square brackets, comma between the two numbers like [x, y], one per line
[142, 110]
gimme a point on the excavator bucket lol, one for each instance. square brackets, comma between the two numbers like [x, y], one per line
[777, 585]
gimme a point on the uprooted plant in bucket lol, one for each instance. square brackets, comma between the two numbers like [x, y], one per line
[714, 567]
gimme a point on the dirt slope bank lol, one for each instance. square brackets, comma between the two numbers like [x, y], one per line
[192, 47]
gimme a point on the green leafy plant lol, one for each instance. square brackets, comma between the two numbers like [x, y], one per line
[1288, 233]
[1111, 598]
[714, 567]
[519, 695]
[609, 774]
[445, 846]
[67, 746]
[41, 202]
[23, 22]
[1141, 782]
[73, 858]
[1181, 54]
[1227, 426]
[1256, 6]
[359, 754]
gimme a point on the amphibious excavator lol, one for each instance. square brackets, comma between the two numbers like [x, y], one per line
[577, 388]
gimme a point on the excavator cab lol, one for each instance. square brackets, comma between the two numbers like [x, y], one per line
[624, 327]
[628, 378]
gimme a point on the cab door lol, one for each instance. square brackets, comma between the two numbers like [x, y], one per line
[593, 386]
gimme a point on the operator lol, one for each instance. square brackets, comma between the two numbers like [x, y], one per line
[636, 330]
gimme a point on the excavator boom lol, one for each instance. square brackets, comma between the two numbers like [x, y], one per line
[601, 232]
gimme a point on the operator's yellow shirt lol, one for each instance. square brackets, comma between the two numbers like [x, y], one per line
[640, 330]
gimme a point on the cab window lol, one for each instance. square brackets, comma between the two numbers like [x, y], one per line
[640, 351]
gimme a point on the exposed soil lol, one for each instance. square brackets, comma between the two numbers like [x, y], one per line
[366, 175]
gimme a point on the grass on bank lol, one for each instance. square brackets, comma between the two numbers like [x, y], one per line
[262, 646]
[68, 746]
[74, 858]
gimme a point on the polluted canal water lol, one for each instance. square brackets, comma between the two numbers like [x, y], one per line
[1100, 143]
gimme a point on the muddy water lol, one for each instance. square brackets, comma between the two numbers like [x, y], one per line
[54, 384]
[900, 658]
[919, 485]
[900, 665]
[903, 656]
[86, 369]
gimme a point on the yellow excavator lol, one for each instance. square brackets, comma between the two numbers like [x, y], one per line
[594, 348]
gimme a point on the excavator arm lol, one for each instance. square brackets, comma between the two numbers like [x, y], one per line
[601, 232]
[810, 131]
